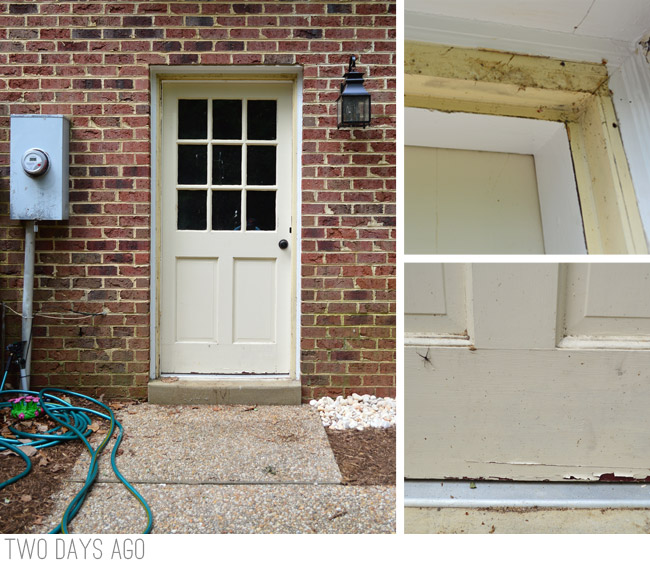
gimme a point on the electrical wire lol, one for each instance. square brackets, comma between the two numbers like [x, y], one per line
[73, 424]
[57, 316]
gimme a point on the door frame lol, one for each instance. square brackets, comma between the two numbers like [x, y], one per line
[204, 74]
[627, 63]
[546, 141]
[457, 79]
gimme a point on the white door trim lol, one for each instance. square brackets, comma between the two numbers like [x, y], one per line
[546, 141]
[214, 72]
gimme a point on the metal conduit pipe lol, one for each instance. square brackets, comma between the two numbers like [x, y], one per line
[28, 295]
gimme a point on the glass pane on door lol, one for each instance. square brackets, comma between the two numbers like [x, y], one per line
[192, 119]
[226, 210]
[260, 210]
[192, 164]
[262, 119]
[192, 210]
[226, 165]
[260, 166]
[226, 119]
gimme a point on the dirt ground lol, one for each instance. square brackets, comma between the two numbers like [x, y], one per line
[364, 458]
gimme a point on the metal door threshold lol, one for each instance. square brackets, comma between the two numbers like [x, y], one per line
[223, 376]
[485, 494]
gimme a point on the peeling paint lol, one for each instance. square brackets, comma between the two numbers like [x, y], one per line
[645, 46]
[500, 67]
[609, 477]
[612, 477]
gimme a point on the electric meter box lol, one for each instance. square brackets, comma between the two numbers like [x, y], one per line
[39, 167]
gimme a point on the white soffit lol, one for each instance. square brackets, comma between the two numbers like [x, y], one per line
[473, 34]
[623, 20]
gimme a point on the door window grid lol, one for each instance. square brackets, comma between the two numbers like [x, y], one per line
[251, 195]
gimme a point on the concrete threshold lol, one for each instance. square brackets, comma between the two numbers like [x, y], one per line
[236, 391]
[485, 494]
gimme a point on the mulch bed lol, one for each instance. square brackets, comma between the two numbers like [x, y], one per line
[365, 457]
[28, 501]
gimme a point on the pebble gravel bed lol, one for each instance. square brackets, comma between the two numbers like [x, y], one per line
[356, 412]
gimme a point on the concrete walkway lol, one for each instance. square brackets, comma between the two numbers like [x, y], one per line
[225, 469]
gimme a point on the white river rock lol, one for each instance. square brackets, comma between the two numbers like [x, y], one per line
[356, 412]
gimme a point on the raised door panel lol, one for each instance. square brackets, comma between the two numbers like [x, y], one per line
[459, 201]
[435, 302]
[515, 305]
[196, 319]
[606, 306]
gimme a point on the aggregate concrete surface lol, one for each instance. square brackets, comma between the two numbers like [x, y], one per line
[225, 469]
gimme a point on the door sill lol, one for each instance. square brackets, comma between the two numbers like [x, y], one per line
[221, 376]
[561, 495]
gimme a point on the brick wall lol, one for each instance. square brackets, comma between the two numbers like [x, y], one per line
[90, 61]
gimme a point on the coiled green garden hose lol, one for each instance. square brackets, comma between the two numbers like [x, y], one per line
[77, 421]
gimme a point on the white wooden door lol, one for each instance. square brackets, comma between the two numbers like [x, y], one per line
[227, 177]
[527, 371]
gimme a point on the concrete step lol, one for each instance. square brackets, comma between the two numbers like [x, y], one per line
[239, 391]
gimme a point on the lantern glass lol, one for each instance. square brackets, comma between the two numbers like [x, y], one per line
[354, 110]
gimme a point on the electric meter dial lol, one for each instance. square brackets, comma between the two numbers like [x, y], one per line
[35, 162]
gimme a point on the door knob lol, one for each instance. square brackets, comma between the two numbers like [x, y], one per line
[283, 244]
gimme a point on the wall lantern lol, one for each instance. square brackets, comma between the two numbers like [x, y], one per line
[354, 100]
